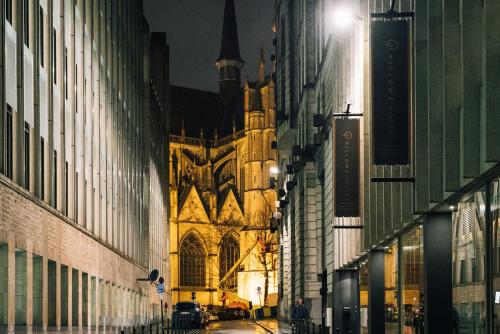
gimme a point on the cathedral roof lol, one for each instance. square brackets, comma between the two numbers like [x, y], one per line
[222, 197]
[198, 109]
[230, 47]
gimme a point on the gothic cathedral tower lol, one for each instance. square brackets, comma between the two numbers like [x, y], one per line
[259, 133]
[229, 62]
[221, 200]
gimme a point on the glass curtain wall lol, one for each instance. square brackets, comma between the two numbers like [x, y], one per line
[391, 289]
[469, 288]
[363, 297]
[495, 220]
[412, 282]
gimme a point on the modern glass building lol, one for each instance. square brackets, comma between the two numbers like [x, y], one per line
[83, 172]
[390, 221]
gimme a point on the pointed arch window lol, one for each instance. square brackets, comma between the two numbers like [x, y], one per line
[228, 255]
[192, 262]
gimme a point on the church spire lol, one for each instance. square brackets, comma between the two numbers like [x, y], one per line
[230, 46]
[229, 62]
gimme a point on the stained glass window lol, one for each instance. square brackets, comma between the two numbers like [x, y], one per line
[192, 262]
[228, 255]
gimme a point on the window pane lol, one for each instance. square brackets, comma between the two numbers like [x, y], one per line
[495, 220]
[469, 290]
[228, 256]
[363, 297]
[412, 284]
[391, 289]
[192, 262]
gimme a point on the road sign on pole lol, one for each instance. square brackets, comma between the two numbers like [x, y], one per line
[160, 288]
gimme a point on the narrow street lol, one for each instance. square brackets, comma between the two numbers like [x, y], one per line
[235, 327]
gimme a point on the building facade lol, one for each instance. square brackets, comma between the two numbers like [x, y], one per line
[221, 199]
[421, 252]
[83, 140]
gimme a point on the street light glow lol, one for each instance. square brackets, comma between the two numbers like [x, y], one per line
[342, 17]
[274, 170]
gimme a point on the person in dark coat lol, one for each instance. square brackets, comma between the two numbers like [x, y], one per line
[299, 315]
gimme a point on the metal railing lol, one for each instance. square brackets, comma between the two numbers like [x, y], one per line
[307, 327]
[179, 327]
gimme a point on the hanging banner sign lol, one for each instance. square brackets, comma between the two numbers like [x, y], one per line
[347, 168]
[390, 66]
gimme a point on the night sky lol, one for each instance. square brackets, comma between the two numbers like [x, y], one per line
[194, 31]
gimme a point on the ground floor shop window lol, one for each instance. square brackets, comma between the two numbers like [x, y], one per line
[391, 290]
[495, 219]
[469, 271]
[412, 282]
[363, 297]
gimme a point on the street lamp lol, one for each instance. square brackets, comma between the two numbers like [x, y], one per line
[343, 17]
[274, 170]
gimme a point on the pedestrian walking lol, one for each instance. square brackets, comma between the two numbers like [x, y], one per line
[300, 314]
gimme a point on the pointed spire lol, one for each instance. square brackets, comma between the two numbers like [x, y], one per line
[230, 46]
[262, 66]
[257, 100]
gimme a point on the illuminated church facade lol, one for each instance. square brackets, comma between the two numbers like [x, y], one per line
[222, 153]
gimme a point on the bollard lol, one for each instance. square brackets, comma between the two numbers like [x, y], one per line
[142, 327]
[314, 328]
[150, 328]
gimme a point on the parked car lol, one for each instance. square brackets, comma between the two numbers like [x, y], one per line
[233, 314]
[213, 316]
[188, 315]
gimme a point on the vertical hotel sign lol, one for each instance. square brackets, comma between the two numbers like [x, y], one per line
[347, 168]
[390, 64]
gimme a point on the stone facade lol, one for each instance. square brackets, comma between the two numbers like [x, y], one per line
[221, 199]
[323, 69]
[220, 188]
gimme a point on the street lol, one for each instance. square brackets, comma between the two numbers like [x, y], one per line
[235, 327]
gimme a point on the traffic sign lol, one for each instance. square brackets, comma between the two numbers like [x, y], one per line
[153, 275]
[160, 288]
[259, 290]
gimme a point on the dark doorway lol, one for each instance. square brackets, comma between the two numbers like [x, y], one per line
[346, 302]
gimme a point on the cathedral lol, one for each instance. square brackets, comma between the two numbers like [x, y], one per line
[223, 155]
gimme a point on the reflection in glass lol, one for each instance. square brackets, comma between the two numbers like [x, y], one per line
[469, 303]
[363, 297]
[391, 289]
[495, 219]
[412, 282]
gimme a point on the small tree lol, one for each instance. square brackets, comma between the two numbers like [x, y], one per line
[267, 245]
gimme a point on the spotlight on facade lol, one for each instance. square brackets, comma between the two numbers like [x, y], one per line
[277, 215]
[342, 17]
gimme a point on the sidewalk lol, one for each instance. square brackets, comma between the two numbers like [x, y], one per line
[274, 326]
